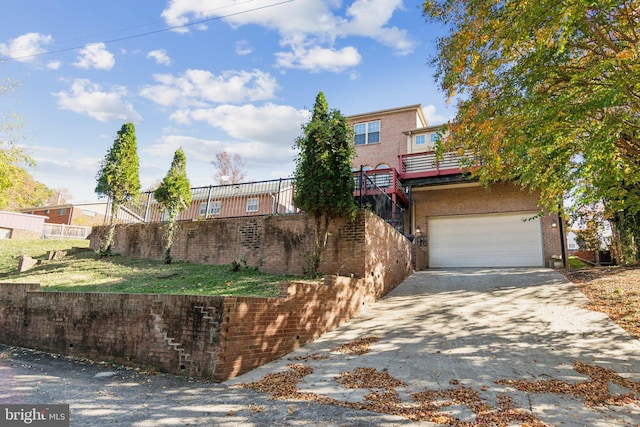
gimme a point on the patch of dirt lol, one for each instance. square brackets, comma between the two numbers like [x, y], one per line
[614, 291]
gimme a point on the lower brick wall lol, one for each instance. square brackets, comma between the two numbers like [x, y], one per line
[173, 333]
[209, 336]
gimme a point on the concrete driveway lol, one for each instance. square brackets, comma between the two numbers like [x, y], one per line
[454, 333]
[465, 346]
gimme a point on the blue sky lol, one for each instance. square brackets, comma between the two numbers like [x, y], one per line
[203, 75]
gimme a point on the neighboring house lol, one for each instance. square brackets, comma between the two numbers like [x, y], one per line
[83, 214]
[227, 201]
[15, 225]
[572, 241]
[458, 222]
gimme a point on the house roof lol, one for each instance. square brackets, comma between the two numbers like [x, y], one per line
[243, 189]
[415, 107]
[424, 129]
[62, 206]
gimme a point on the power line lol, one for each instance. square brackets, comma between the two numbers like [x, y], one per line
[162, 30]
[157, 22]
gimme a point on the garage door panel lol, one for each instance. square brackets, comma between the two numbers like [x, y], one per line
[485, 241]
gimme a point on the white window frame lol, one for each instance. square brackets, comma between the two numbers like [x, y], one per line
[370, 130]
[214, 208]
[420, 139]
[253, 205]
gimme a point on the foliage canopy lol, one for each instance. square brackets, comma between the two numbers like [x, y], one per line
[13, 159]
[324, 181]
[548, 95]
[174, 195]
[118, 177]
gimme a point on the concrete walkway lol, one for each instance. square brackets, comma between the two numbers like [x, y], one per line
[443, 336]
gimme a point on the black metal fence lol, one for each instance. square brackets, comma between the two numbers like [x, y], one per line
[262, 198]
[219, 201]
[371, 194]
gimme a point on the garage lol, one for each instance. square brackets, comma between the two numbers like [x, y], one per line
[494, 240]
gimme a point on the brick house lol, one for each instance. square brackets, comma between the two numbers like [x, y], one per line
[82, 214]
[225, 201]
[455, 220]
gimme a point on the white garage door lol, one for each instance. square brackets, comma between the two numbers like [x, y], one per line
[503, 240]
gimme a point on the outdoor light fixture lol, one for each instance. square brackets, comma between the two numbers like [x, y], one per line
[418, 230]
[554, 224]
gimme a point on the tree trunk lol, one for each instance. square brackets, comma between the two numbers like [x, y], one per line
[320, 242]
[105, 246]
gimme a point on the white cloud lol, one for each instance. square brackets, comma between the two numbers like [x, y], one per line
[90, 99]
[368, 18]
[270, 123]
[53, 65]
[23, 48]
[263, 136]
[196, 149]
[243, 48]
[319, 59]
[199, 87]
[160, 56]
[95, 55]
[313, 24]
[433, 116]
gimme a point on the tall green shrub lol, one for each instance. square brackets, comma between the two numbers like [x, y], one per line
[324, 181]
[118, 178]
[174, 195]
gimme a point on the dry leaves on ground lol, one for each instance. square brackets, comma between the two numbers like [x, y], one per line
[426, 406]
[614, 291]
[358, 347]
[595, 391]
[368, 378]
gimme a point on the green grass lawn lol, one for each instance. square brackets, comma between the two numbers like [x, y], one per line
[577, 263]
[82, 271]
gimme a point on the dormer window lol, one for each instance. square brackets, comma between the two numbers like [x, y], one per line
[367, 133]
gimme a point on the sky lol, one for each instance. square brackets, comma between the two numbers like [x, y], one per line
[207, 76]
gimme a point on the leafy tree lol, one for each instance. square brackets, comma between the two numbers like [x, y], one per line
[13, 159]
[27, 192]
[230, 168]
[118, 178]
[174, 195]
[548, 95]
[324, 181]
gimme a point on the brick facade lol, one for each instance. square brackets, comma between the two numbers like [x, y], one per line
[393, 142]
[213, 337]
[474, 199]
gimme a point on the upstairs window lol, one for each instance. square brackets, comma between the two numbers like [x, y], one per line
[421, 140]
[434, 138]
[62, 211]
[367, 133]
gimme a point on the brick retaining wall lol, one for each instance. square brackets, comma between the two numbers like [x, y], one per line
[211, 337]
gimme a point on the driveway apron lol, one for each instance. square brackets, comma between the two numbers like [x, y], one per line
[520, 336]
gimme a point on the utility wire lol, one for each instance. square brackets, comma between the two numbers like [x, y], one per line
[156, 22]
[162, 30]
